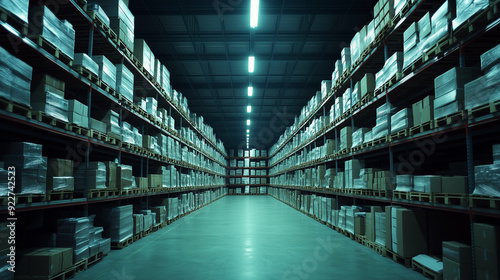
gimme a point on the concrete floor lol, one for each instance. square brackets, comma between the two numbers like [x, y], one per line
[246, 237]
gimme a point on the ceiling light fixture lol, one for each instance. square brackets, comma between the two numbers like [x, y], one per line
[251, 64]
[249, 109]
[250, 91]
[248, 122]
[248, 130]
[254, 13]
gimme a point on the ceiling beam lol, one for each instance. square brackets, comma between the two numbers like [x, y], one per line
[162, 9]
[243, 86]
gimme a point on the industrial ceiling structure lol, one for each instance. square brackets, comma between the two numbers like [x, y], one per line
[206, 45]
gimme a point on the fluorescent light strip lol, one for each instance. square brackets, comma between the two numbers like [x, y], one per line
[251, 64]
[248, 122]
[254, 13]
[248, 130]
[249, 109]
[250, 91]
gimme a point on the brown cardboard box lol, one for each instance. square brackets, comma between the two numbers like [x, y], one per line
[457, 252]
[487, 260]
[370, 223]
[359, 225]
[456, 271]
[416, 109]
[57, 167]
[455, 184]
[411, 233]
[138, 221]
[111, 174]
[427, 113]
[155, 180]
[388, 227]
[485, 275]
[47, 261]
[141, 182]
[486, 236]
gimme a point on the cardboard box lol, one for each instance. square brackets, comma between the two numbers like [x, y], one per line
[111, 174]
[367, 84]
[455, 271]
[486, 236]
[455, 184]
[416, 109]
[359, 225]
[427, 113]
[60, 183]
[46, 261]
[424, 26]
[457, 252]
[411, 232]
[141, 182]
[97, 125]
[41, 81]
[155, 180]
[487, 260]
[60, 167]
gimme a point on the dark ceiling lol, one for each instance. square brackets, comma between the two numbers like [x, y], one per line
[206, 44]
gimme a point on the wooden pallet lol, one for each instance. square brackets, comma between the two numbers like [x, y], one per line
[80, 130]
[110, 33]
[421, 197]
[53, 50]
[60, 195]
[483, 110]
[438, 48]
[123, 244]
[101, 193]
[401, 195]
[399, 259]
[484, 201]
[422, 128]
[376, 193]
[130, 191]
[138, 236]
[43, 117]
[14, 21]
[22, 199]
[452, 199]
[86, 73]
[381, 140]
[97, 135]
[400, 134]
[106, 88]
[114, 139]
[450, 119]
[15, 108]
[426, 271]
[344, 151]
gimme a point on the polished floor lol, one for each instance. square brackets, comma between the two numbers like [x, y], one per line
[246, 237]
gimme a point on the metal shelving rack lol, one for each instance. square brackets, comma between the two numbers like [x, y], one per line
[233, 186]
[94, 39]
[463, 131]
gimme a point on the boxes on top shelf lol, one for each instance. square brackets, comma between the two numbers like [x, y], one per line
[143, 53]
[78, 113]
[124, 82]
[118, 9]
[401, 120]
[466, 9]
[19, 8]
[392, 66]
[98, 11]
[17, 75]
[107, 70]
[85, 61]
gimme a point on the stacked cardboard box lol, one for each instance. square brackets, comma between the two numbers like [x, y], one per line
[48, 96]
[355, 94]
[382, 180]
[60, 175]
[408, 232]
[107, 70]
[161, 214]
[457, 261]
[121, 20]
[43, 262]
[74, 233]
[143, 53]
[352, 171]
[346, 98]
[166, 80]
[118, 223]
[423, 110]
[427, 184]
[124, 179]
[59, 33]
[17, 76]
[86, 62]
[380, 227]
[466, 9]
[138, 223]
[31, 167]
[124, 82]
[345, 138]
[401, 120]
[356, 47]
[94, 175]
[78, 113]
[486, 251]
[370, 223]
[392, 66]
[404, 183]
[383, 121]
[346, 59]
[96, 11]
[336, 73]
[383, 13]
[410, 46]
[111, 119]
[326, 87]
[449, 90]
[455, 184]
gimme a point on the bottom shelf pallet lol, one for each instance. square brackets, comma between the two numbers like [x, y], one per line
[425, 271]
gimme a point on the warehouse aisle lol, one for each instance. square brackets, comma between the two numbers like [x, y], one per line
[246, 237]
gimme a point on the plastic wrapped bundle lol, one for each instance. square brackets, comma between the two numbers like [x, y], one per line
[165, 80]
[346, 59]
[346, 98]
[31, 167]
[161, 213]
[427, 184]
[345, 137]
[350, 212]
[95, 176]
[355, 95]
[118, 222]
[357, 136]
[99, 12]
[367, 137]
[466, 9]
[126, 180]
[339, 107]
[382, 128]
[404, 183]
[124, 82]
[487, 178]
[74, 233]
[380, 228]
[107, 71]
[490, 59]
[138, 223]
[119, 9]
[398, 5]
[355, 48]
[440, 27]
[392, 66]
[84, 61]
[496, 154]
[370, 33]
[111, 119]
[19, 8]
[128, 135]
[59, 33]
[326, 86]
[16, 78]
[61, 183]
[52, 104]
[144, 55]
[401, 120]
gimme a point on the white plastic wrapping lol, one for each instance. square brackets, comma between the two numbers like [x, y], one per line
[367, 137]
[61, 183]
[74, 233]
[52, 104]
[401, 120]
[19, 8]
[124, 82]
[398, 5]
[118, 8]
[95, 175]
[59, 33]
[404, 183]
[380, 228]
[99, 12]
[107, 71]
[118, 222]
[392, 66]
[16, 78]
[355, 48]
[425, 183]
[466, 9]
[111, 119]
[83, 60]
[346, 98]
[487, 178]
[166, 80]
[490, 58]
